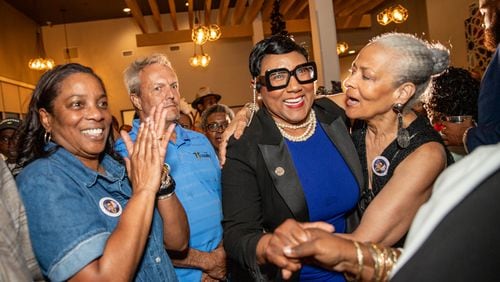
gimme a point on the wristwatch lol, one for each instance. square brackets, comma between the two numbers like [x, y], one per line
[167, 184]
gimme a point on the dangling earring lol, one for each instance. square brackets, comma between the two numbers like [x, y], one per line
[46, 137]
[253, 107]
[403, 136]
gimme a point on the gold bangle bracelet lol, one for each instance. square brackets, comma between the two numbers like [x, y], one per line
[464, 139]
[378, 262]
[360, 258]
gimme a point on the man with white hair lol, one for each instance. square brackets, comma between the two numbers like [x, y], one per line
[193, 165]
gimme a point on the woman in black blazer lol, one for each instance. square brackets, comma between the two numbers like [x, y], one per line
[295, 160]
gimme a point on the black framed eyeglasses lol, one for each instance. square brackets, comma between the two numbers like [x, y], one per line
[214, 126]
[279, 78]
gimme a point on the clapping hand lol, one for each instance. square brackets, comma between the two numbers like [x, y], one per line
[147, 154]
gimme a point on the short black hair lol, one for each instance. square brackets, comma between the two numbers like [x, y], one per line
[276, 44]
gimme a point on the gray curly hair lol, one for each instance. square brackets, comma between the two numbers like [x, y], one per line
[420, 61]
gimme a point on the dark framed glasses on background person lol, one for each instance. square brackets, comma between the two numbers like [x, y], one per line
[214, 126]
[279, 78]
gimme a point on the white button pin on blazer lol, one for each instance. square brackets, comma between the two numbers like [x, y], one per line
[279, 171]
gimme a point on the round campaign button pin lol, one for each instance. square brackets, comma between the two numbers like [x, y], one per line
[380, 166]
[279, 171]
[110, 206]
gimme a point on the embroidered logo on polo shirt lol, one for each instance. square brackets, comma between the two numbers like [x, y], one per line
[110, 206]
[199, 155]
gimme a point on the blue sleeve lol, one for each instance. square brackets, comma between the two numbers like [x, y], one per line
[483, 135]
[65, 227]
[488, 125]
[120, 148]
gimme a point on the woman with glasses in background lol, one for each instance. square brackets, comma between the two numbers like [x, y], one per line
[214, 120]
[295, 160]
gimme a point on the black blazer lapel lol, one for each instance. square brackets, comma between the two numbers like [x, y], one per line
[279, 165]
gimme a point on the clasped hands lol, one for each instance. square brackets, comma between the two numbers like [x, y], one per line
[294, 243]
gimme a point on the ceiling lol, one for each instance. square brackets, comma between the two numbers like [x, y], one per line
[349, 14]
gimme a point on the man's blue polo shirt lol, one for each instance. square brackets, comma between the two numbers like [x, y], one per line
[195, 169]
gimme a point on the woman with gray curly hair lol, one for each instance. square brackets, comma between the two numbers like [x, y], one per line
[400, 152]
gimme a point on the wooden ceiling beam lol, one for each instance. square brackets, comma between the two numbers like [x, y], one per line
[183, 36]
[137, 15]
[294, 13]
[173, 14]
[156, 14]
[353, 22]
[341, 7]
[208, 11]
[285, 6]
[239, 10]
[352, 8]
[190, 14]
[267, 9]
[223, 11]
[252, 11]
[369, 6]
[336, 4]
[304, 14]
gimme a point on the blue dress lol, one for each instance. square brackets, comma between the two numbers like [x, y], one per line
[330, 189]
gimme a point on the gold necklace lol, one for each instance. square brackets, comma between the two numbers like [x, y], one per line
[310, 126]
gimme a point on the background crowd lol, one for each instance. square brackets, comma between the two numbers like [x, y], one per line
[309, 188]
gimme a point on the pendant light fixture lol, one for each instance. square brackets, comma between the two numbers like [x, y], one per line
[203, 33]
[41, 62]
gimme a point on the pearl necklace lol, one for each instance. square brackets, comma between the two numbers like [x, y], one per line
[310, 126]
